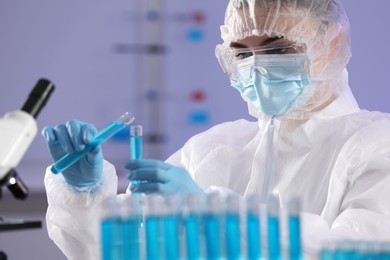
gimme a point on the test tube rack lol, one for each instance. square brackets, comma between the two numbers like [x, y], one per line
[197, 227]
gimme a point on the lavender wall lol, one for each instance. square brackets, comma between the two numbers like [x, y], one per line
[77, 44]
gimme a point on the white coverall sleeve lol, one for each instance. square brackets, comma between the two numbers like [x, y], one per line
[73, 214]
[363, 214]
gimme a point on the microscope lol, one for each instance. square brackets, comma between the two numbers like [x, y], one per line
[18, 129]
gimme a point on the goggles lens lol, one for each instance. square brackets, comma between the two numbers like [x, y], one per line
[229, 56]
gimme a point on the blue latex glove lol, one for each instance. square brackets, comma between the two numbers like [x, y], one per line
[151, 176]
[73, 136]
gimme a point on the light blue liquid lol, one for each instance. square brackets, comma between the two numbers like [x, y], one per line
[112, 243]
[131, 239]
[347, 255]
[294, 238]
[135, 150]
[136, 147]
[152, 235]
[273, 238]
[384, 255]
[212, 232]
[171, 235]
[253, 236]
[191, 224]
[326, 255]
[69, 159]
[232, 236]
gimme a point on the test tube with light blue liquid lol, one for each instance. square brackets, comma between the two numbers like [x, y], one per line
[131, 208]
[346, 250]
[232, 227]
[294, 229]
[371, 250]
[103, 135]
[274, 248]
[153, 227]
[171, 227]
[136, 142]
[253, 228]
[136, 150]
[212, 226]
[385, 250]
[326, 252]
[194, 207]
[111, 230]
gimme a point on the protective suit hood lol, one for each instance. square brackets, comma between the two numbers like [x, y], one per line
[320, 25]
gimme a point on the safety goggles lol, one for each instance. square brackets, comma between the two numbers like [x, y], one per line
[229, 57]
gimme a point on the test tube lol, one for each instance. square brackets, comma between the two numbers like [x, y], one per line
[153, 227]
[171, 227]
[103, 135]
[294, 226]
[232, 224]
[385, 250]
[136, 142]
[212, 226]
[131, 210]
[192, 213]
[253, 228]
[370, 250]
[346, 250]
[327, 251]
[111, 232]
[274, 249]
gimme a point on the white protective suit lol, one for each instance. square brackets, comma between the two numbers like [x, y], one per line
[326, 150]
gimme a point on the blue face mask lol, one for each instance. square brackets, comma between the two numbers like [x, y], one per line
[272, 82]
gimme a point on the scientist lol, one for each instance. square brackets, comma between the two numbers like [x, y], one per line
[287, 59]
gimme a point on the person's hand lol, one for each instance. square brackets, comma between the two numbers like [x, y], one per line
[150, 176]
[73, 136]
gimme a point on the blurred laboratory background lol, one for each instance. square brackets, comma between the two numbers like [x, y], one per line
[154, 58]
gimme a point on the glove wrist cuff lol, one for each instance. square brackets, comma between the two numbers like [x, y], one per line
[90, 187]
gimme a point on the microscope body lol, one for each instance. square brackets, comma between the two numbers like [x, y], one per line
[17, 131]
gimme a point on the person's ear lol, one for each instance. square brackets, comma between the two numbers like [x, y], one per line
[330, 55]
[339, 42]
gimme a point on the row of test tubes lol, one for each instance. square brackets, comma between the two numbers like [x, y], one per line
[198, 227]
[355, 250]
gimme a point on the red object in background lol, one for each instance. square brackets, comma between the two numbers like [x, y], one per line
[198, 17]
[198, 96]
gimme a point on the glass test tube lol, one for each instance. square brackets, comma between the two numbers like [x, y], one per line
[194, 204]
[326, 252]
[131, 212]
[294, 229]
[345, 250]
[171, 227]
[107, 132]
[153, 227]
[136, 142]
[232, 224]
[274, 248]
[212, 226]
[111, 231]
[253, 228]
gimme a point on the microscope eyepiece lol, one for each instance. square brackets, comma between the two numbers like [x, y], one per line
[38, 97]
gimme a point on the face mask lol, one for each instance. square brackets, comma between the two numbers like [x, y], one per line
[272, 82]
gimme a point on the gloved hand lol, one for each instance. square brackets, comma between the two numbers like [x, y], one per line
[156, 176]
[73, 136]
